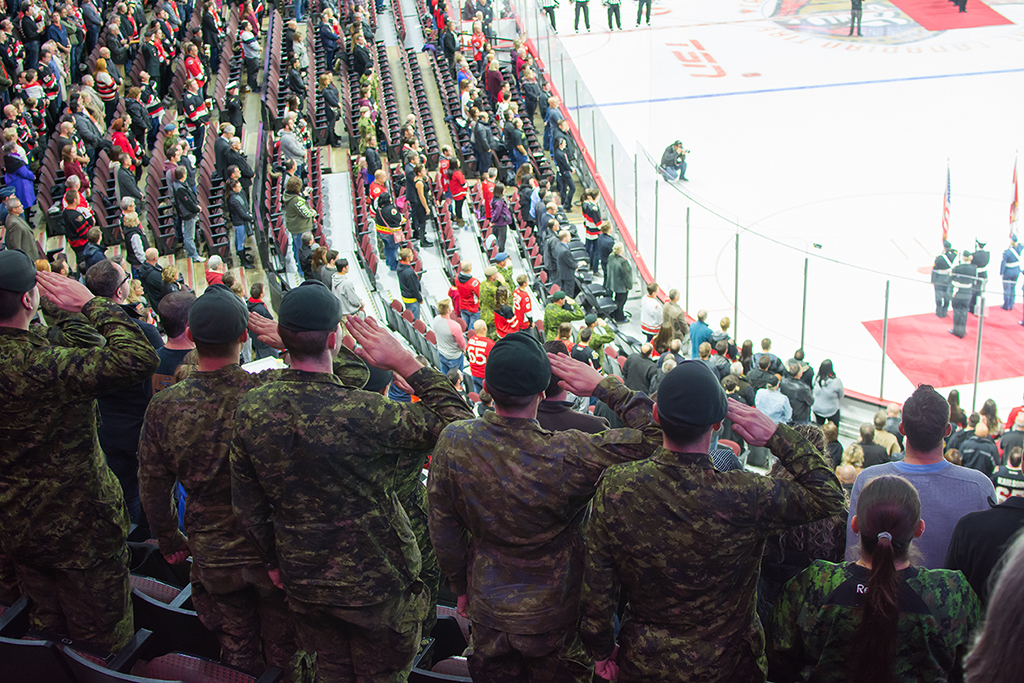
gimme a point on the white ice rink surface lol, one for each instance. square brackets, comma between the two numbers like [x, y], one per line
[809, 139]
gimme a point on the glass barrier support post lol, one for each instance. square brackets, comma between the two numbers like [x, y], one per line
[736, 289]
[686, 301]
[885, 341]
[803, 310]
[977, 355]
[655, 256]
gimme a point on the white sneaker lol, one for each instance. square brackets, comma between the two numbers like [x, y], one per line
[199, 259]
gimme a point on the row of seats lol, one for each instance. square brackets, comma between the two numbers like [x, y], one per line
[421, 105]
[392, 123]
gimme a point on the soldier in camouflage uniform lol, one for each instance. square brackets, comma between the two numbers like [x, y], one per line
[684, 542]
[562, 309]
[313, 466]
[508, 508]
[186, 438]
[488, 288]
[63, 521]
[503, 262]
[815, 631]
[412, 494]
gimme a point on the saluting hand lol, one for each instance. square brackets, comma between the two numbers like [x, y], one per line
[65, 293]
[755, 427]
[576, 377]
[265, 330]
[379, 348]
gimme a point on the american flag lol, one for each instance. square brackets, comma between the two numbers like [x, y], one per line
[1013, 203]
[945, 208]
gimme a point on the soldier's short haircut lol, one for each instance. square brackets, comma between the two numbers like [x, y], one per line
[681, 434]
[554, 346]
[225, 350]
[104, 278]
[173, 311]
[925, 417]
[305, 345]
[585, 334]
[454, 376]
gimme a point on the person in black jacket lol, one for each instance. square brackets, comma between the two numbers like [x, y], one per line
[232, 111]
[566, 187]
[221, 145]
[126, 183]
[329, 42]
[255, 305]
[483, 143]
[409, 283]
[361, 58]
[297, 79]
[235, 157]
[186, 203]
[139, 124]
[332, 108]
[211, 33]
[30, 36]
[241, 219]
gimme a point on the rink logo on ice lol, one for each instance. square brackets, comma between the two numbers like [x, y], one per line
[693, 56]
[881, 23]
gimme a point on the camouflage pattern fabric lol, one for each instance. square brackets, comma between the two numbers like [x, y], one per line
[553, 657]
[412, 495]
[312, 467]
[91, 604]
[685, 542]
[186, 438]
[248, 614]
[812, 631]
[599, 338]
[555, 315]
[9, 591]
[488, 289]
[61, 507]
[374, 644]
[508, 503]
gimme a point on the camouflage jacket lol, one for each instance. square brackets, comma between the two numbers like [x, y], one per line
[487, 292]
[555, 315]
[508, 507]
[187, 438]
[60, 505]
[812, 632]
[312, 469]
[684, 542]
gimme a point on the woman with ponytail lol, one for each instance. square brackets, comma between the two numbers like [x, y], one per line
[880, 619]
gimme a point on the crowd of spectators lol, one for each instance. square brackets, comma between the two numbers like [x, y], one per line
[681, 512]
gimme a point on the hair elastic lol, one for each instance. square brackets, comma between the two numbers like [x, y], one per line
[885, 534]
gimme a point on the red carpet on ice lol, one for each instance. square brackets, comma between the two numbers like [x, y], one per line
[943, 15]
[924, 350]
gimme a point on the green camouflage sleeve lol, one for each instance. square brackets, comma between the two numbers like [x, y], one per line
[784, 644]
[69, 329]
[449, 537]
[963, 615]
[814, 493]
[599, 341]
[600, 583]
[156, 482]
[252, 507]
[126, 359]
[420, 424]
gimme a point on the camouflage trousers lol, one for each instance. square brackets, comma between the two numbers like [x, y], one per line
[415, 504]
[553, 657]
[248, 614]
[362, 644]
[92, 605]
[661, 655]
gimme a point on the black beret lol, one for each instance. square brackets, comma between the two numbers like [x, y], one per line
[218, 316]
[310, 307]
[691, 395]
[17, 271]
[518, 366]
